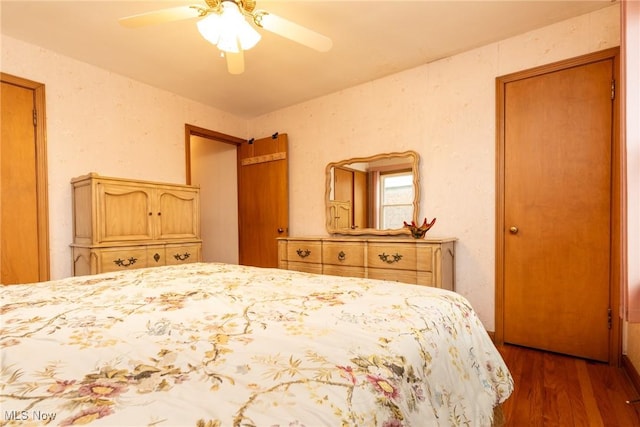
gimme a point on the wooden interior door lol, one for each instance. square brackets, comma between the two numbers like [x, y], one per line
[342, 184]
[360, 199]
[263, 199]
[24, 234]
[343, 197]
[556, 231]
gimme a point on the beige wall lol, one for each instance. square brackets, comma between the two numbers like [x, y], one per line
[98, 121]
[445, 111]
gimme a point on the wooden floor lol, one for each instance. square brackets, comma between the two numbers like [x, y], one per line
[556, 390]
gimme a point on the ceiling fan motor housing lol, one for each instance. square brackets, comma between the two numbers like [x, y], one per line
[246, 6]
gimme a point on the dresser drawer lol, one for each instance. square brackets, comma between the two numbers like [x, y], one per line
[404, 276]
[427, 262]
[304, 251]
[343, 270]
[343, 253]
[183, 254]
[392, 256]
[305, 267]
[123, 258]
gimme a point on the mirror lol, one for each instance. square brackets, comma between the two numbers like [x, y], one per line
[373, 195]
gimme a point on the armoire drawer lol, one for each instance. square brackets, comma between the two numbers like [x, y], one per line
[182, 254]
[93, 260]
[122, 258]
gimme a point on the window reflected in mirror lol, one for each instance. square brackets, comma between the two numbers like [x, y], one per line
[395, 200]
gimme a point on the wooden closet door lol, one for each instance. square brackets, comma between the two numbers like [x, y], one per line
[23, 200]
[558, 129]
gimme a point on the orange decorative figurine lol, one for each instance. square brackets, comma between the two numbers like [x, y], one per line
[418, 232]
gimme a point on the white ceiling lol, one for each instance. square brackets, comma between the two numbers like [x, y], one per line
[371, 39]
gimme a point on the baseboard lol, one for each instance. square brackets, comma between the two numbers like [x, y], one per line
[631, 372]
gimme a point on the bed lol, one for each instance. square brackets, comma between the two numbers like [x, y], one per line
[209, 345]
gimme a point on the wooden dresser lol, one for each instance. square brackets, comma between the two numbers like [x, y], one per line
[121, 224]
[427, 262]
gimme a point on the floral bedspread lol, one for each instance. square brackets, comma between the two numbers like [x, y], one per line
[226, 345]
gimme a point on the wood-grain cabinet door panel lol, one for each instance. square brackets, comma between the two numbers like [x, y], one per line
[177, 215]
[123, 213]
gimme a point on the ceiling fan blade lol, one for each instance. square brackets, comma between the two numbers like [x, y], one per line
[235, 62]
[160, 16]
[293, 31]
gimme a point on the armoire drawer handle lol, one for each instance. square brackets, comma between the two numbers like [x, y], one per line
[182, 257]
[342, 256]
[303, 253]
[125, 263]
[390, 259]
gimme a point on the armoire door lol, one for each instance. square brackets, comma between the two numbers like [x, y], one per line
[556, 230]
[263, 199]
[24, 234]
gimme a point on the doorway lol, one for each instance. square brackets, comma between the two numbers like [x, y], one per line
[211, 165]
[24, 212]
[558, 223]
[257, 171]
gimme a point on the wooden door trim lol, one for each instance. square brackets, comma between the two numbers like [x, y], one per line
[191, 130]
[42, 186]
[618, 197]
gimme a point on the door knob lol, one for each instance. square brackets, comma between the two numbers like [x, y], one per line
[513, 230]
[280, 230]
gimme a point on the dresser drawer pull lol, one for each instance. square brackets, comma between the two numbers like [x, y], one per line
[303, 254]
[342, 256]
[390, 259]
[156, 256]
[122, 263]
[182, 257]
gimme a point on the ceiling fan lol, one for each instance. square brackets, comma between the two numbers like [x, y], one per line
[224, 23]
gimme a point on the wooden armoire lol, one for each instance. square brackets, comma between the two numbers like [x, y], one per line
[121, 224]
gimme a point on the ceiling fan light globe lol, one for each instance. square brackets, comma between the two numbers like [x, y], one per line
[209, 28]
[229, 30]
[247, 36]
[229, 43]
